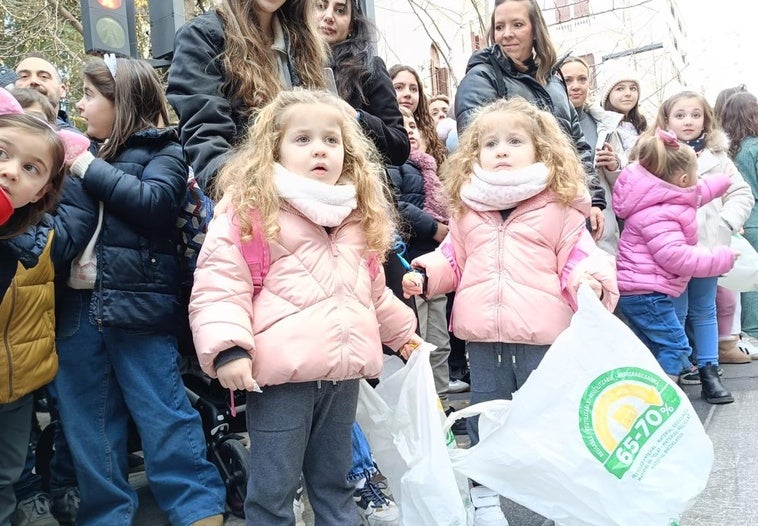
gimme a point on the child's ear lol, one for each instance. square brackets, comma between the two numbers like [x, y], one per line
[39, 195]
[682, 180]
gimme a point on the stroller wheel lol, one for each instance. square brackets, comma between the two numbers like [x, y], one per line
[233, 464]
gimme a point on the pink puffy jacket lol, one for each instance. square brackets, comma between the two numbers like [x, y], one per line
[658, 249]
[319, 316]
[516, 279]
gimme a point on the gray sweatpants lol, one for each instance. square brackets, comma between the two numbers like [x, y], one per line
[16, 425]
[432, 324]
[497, 371]
[301, 427]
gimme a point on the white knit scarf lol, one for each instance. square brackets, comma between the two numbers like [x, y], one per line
[324, 204]
[505, 189]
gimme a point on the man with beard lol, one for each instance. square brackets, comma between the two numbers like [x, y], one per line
[36, 72]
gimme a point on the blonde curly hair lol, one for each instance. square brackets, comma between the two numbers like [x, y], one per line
[552, 147]
[248, 176]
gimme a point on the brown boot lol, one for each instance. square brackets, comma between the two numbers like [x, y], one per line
[215, 520]
[730, 353]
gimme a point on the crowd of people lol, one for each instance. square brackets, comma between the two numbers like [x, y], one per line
[390, 217]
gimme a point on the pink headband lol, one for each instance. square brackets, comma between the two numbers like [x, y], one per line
[668, 137]
[73, 143]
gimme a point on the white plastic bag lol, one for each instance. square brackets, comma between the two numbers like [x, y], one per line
[598, 435]
[744, 275]
[402, 420]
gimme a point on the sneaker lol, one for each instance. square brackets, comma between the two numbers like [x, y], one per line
[748, 345]
[66, 505]
[298, 506]
[487, 511]
[34, 511]
[691, 376]
[730, 353]
[458, 386]
[374, 507]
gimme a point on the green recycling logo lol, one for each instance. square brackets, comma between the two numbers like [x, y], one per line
[620, 411]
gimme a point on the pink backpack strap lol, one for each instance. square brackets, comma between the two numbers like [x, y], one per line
[255, 250]
[373, 266]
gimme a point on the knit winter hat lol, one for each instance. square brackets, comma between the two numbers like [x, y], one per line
[609, 76]
[7, 77]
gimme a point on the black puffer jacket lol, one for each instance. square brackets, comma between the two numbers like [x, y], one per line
[138, 264]
[490, 75]
[420, 226]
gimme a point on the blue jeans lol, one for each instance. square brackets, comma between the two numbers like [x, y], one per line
[697, 307]
[363, 462]
[653, 320]
[107, 376]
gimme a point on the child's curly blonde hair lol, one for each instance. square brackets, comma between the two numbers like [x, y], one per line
[249, 174]
[552, 147]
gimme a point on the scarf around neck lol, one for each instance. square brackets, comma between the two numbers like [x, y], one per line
[324, 204]
[503, 190]
[697, 144]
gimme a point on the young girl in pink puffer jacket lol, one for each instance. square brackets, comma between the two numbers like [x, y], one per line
[518, 249]
[658, 197]
[318, 324]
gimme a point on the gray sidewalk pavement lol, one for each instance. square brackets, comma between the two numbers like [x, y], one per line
[728, 500]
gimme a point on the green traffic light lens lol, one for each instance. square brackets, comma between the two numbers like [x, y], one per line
[111, 33]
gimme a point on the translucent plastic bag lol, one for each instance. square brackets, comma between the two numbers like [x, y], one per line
[598, 435]
[744, 275]
[402, 419]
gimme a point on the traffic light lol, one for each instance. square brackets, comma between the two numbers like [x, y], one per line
[166, 17]
[109, 27]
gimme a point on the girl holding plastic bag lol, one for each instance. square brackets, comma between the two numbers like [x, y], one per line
[658, 197]
[517, 251]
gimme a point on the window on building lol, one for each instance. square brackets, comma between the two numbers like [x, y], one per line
[562, 11]
[440, 75]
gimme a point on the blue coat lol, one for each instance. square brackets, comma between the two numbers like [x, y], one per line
[138, 262]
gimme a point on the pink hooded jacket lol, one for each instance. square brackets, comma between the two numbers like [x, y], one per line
[319, 315]
[516, 279]
[658, 249]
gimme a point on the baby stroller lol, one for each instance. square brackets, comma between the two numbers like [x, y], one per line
[221, 429]
[224, 443]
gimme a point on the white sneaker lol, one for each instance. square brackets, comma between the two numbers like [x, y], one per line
[374, 507]
[487, 511]
[298, 506]
[748, 345]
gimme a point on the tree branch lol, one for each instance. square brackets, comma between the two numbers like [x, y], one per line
[66, 15]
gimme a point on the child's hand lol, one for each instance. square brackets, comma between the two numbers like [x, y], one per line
[594, 284]
[238, 375]
[606, 158]
[411, 346]
[413, 284]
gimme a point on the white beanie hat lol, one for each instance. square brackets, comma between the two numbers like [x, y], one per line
[609, 76]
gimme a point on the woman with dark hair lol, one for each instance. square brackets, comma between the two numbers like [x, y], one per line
[410, 94]
[361, 76]
[230, 62]
[521, 62]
